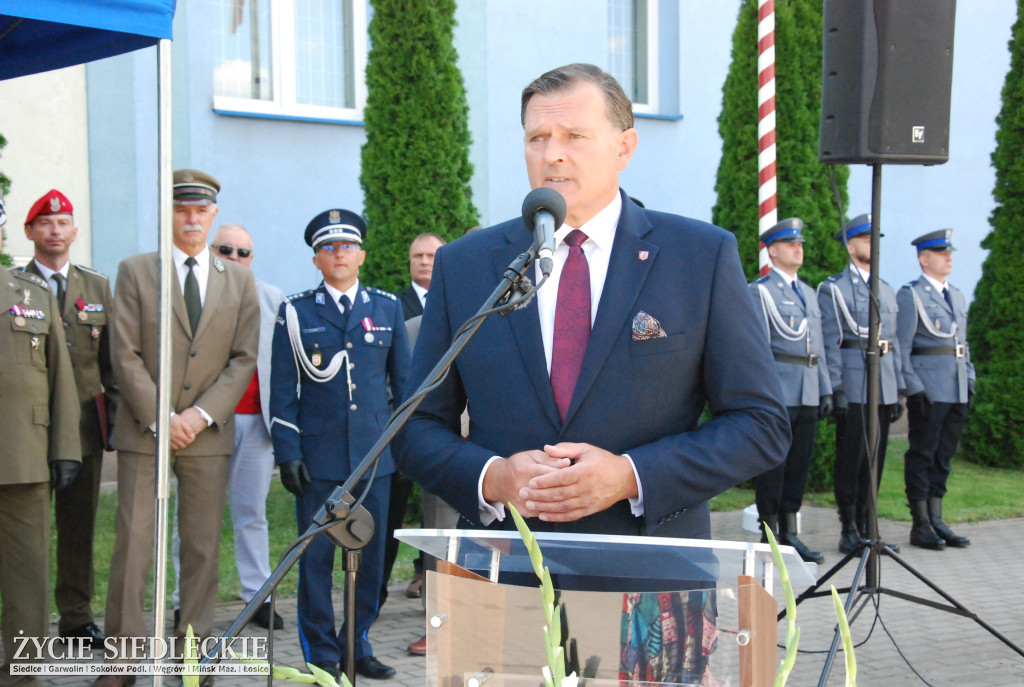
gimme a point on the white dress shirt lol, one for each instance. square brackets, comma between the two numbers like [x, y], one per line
[201, 269]
[939, 286]
[352, 292]
[421, 293]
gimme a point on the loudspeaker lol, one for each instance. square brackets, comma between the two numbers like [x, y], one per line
[887, 74]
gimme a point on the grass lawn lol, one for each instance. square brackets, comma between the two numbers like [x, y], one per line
[975, 493]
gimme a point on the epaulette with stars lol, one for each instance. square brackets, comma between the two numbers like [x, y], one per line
[29, 277]
[299, 296]
[834, 277]
[762, 278]
[378, 292]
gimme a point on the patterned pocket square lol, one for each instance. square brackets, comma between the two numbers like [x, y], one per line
[646, 327]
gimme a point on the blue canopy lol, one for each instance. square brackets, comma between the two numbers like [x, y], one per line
[40, 35]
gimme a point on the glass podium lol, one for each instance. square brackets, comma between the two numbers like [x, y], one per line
[636, 610]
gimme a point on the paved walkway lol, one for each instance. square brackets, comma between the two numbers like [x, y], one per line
[987, 578]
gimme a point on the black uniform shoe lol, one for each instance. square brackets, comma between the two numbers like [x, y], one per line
[89, 632]
[262, 618]
[329, 668]
[941, 529]
[787, 537]
[921, 532]
[369, 666]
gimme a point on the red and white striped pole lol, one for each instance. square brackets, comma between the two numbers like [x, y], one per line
[767, 197]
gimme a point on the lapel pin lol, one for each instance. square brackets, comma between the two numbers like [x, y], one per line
[218, 264]
[319, 297]
[644, 254]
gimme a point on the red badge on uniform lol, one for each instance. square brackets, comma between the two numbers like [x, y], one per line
[643, 255]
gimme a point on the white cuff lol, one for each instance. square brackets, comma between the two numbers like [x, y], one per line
[636, 503]
[206, 415]
[489, 511]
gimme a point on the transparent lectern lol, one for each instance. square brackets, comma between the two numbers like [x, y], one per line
[637, 610]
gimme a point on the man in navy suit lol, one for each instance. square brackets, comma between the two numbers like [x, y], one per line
[595, 428]
[336, 349]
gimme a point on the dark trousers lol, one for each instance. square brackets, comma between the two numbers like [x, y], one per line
[935, 430]
[321, 640]
[75, 510]
[781, 489]
[851, 476]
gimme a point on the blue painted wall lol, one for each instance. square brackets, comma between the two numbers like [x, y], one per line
[277, 174]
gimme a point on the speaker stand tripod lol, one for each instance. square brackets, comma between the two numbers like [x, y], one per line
[871, 551]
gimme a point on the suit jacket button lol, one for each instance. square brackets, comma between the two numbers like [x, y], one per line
[353, 407]
[192, 354]
[187, 386]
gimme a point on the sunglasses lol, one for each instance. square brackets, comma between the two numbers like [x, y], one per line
[228, 250]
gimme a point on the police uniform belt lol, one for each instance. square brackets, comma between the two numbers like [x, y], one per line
[808, 360]
[862, 345]
[960, 350]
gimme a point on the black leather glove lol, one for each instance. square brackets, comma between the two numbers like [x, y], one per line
[897, 409]
[825, 407]
[970, 393]
[839, 403]
[295, 476]
[921, 398]
[63, 473]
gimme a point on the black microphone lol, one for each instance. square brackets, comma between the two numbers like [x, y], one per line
[544, 212]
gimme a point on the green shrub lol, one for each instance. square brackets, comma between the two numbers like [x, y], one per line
[995, 433]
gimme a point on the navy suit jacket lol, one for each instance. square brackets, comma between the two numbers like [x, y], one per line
[644, 398]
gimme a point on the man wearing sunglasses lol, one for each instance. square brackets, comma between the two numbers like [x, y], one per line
[336, 350]
[252, 461]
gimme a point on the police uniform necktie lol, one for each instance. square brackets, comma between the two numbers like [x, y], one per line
[572, 323]
[346, 308]
[948, 297]
[796, 289]
[59, 279]
[193, 303]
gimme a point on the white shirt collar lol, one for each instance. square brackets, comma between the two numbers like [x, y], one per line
[202, 260]
[601, 227]
[352, 292]
[939, 286]
[48, 273]
[421, 293]
[785, 277]
[864, 274]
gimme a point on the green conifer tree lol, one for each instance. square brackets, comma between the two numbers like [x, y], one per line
[415, 162]
[804, 189]
[995, 430]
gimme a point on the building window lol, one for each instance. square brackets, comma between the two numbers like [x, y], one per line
[633, 50]
[291, 58]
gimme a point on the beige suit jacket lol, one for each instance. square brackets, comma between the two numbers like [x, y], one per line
[211, 369]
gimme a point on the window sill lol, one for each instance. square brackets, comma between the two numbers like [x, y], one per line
[286, 117]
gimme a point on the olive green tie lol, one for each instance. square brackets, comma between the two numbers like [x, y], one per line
[193, 303]
[59, 278]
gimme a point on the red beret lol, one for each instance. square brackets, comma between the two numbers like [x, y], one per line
[52, 203]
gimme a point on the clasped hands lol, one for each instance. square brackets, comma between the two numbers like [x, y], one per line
[185, 426]
[561, 483]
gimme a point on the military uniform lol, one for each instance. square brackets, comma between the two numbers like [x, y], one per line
[329, 404]
[86, 314]
[939, 378]
[41, 417]
[792, 322]
[844, 302]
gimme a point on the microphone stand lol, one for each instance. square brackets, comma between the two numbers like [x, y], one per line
[342, 517]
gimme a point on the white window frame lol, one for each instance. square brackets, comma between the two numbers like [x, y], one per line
[284, 105]
[651, 105]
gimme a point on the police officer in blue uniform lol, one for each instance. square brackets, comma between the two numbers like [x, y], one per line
[844, 302]
[336, 349]
[932, 329]
[793, 326]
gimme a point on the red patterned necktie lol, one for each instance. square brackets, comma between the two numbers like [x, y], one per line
[572, 323]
